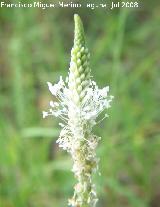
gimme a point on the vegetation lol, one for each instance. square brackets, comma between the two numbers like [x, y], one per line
[34, 49]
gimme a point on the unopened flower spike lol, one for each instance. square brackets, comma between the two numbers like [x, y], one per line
[79, 103]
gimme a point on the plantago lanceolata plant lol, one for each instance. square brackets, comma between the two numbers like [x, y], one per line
[79, 103]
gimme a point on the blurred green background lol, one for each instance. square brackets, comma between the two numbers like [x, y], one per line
[35, 48]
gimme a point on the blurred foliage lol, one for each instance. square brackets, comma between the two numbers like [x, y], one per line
[35, 48]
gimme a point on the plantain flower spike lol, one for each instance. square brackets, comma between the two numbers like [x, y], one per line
[79, 103]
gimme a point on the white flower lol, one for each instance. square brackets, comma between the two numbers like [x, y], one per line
[94, 103]
[79, 102]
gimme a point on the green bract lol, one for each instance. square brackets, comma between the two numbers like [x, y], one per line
[79, 75]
